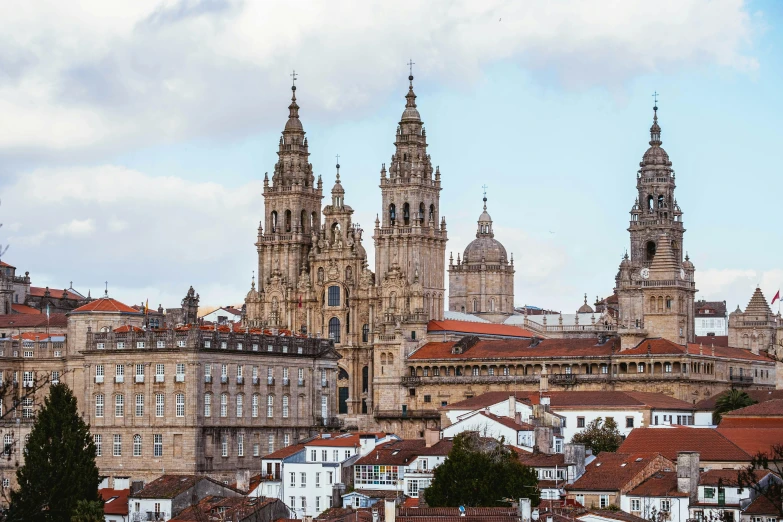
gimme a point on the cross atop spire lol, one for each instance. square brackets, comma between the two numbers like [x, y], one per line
[411, 63]
[293, 76]
[655, 97]
[338, 166]
[485, 195]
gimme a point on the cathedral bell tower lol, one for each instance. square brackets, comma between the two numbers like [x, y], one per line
[655, 286]
[292, 215]
[410, 236]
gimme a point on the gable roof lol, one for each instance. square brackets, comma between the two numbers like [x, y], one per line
[661, 484]
[393, 453]
[772, 407]
[485, 400]
[508, 422]
[472, 327]
[518, 348]
[55, 293]
[115, 501]
[576, 399]
[727, 477]
[753, 440]
[33, 321]
[711, 445]
[106, 304]
[168, 486]
[761, 506]
[709, 340]
[24, 309]
[613, 471]
[756, 395]
[285, 452]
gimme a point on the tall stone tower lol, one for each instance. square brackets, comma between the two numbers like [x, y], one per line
[292, 216]
[410, 238]
[482, 283]
[655, 286]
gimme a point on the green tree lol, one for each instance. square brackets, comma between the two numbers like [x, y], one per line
[599, 436]
[59, 468]
[730, 401]
[480, 472]
[88, 511]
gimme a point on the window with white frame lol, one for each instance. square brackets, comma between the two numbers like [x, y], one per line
[224, 370]
[99, 370]
[303, 479]
[180, 404]
[240, 406]
[313, 455]
[271, 443]
[270, 406]
[55, 377]
[239, 371]
[603, 501]
[666, 505]
[240, 445]
[208, 372]
[117, 445]
[224, 405]
[119, 370]
[254, 405]
[285, 406]
[99, 405]
[139, 405]
[287, 440]
[160, 371]
[324, 455]
[98, 441]
[636, 504]
[157, 445]
[140, 371]
[317, 479]
[137, 445]
[336, 455]
[292, 482]
[224, 445]
[160, 404]
[119, 405]
[180, 371]
[256, 449]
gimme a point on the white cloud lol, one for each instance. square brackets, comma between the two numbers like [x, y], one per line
[110, 75]
[155, 236]
[736, 286]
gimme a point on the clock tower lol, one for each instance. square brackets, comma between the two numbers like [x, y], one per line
[655, 285]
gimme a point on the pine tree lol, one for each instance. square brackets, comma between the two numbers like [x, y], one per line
[481, 473]
[59, 468]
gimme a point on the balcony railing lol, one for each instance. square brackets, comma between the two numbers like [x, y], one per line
[179, 377]
[256, 381]
[119, 378]
[240, 379]
[99, 379]
[159, 377]
[207, 379]
[286, 381]
[301, 382]
[139, 378]
[406, 414]
[224, 379]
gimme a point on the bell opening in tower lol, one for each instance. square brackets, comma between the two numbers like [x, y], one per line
[650, 250]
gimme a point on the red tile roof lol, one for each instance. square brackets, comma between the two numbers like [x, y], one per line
[709, 340]
[439, 449]
[613, 471]
[727, 477]
[761, 506]
[756, 395]
[4, 264]
[613, 515]
[486, 399]
[508, 422]
[55, 293]
[518, 349]
[285, 452]
[24, 309]
[168, 486]
[727, 352]
[711, 445]
[542, 460]
[128, 328]
[115, 501]
[773, 407]
[223, 508]
[33, 321]
[340, 441]
[576, 399]
[470, 327]
[661, 484]
[394, 453]
[753, 440]
[106, 304]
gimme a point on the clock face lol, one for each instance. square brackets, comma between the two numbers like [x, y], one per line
[682, 273]
[645, 273]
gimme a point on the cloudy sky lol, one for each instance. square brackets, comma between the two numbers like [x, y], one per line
[134, 136]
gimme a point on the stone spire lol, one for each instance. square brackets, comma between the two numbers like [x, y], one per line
[655, 130]
[664, 266]
[758, 304]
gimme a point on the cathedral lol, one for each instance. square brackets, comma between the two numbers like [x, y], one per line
[398, 354]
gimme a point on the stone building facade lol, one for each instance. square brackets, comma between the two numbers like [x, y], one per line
[482, 283]
[655, 286]
[191, 399]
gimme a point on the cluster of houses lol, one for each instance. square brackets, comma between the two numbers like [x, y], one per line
[673, 465]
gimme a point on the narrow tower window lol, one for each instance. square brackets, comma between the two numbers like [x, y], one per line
[392, 214]
[288, 221]
[650, 247]
[406, 214]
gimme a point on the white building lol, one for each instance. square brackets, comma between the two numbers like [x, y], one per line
[307, 476]
[166, 496]
[658, 495]
[710, 318]
[511, 430]
[223, 315]
[719, 494]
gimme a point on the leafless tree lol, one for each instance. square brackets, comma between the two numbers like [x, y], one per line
[772, 488]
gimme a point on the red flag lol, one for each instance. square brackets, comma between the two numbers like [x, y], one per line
[776, 298]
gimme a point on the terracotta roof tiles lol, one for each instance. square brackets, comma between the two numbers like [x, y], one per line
[33, 321]
[285, 452]
[753, 440]
[470, 327]
[761, 506]
[727, 477]
[661, 484]
[711, 445]
[24, 309]
[106, 304]
[613, 471]
[517, 348]
[115, 501]
[756, 395]
[773, 407]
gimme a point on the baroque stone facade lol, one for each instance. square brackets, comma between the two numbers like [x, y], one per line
[482, 283]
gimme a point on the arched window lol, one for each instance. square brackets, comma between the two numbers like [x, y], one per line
[661, 203]
[413, 371]
[137, 445]
[285, 406]
[365, 333]
[640, 368]
[334, 329]
[491, 305]
[274, 221]
[224, 405]
[303, 220]
[475, 305]
[390, 358]
[668, 303]
[650, 250]
[383, 358]
[392, 214]
[313, 221]
[288, 221]
[406, 214]
[422, 211]
[650, 202]
[334, 295]
[432, 213]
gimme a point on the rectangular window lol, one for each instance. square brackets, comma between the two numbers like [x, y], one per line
[240, 444]
[318, 503]
[603, 501]
[293, 503]
[98, 440]
[580, 422]
[180, 398]
[334, 296]
[224, 445]
[99, 405]
[304, 502]
[317, 480]
[292, 482]
[330, 476]
[324, 455]
[119, 405]
[636, 504]
[709, 492]
[119, 370]
[117, 445]
[139, 405]
[240, 406]
[180, 377]
[99, 370]
[256, 449]
[159, 404]
[629, 422]
[666, 505]
[336, 455]
[271, 443]
[157, 446]
[428, 398]
[207, 405]
[313, 456]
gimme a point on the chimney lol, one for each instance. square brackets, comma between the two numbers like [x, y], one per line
[523, 510]
[512, 406]
[542, 436]
[243, 480]
[374, 514]
[338, 490]
[688, 473]
[518, 417]
[307, 518]
[431, 437]
[389, 510]
[575, 456]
